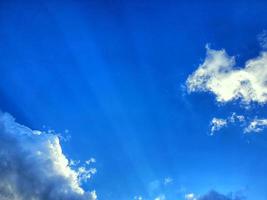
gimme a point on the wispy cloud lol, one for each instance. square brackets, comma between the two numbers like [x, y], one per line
[167, 180]
[33, 166]
[217, 124]
[256, 125]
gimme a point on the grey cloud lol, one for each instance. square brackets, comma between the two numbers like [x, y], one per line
[213, 195]
[33, 166]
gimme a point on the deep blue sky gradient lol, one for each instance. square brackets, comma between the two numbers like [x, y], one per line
[112, 73]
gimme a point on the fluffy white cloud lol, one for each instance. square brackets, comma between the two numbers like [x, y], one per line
[256, 125]
[219, 75]
[33, 166]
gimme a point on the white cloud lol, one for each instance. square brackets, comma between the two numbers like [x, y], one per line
[219, 75]
[256, 125]
[250, 125]
[84, 173]
[236, 118]
[167, 180]
[217, 124]
[190, 196]
[160, 197]
[138, 198]
[91, 160]
[33, 166]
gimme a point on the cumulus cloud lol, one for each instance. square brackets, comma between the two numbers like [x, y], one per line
[219, 75]
[33, 166]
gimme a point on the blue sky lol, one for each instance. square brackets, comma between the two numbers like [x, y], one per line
[112, 77]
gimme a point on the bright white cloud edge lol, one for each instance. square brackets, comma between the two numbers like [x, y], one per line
[33, 166]
[219, 75]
